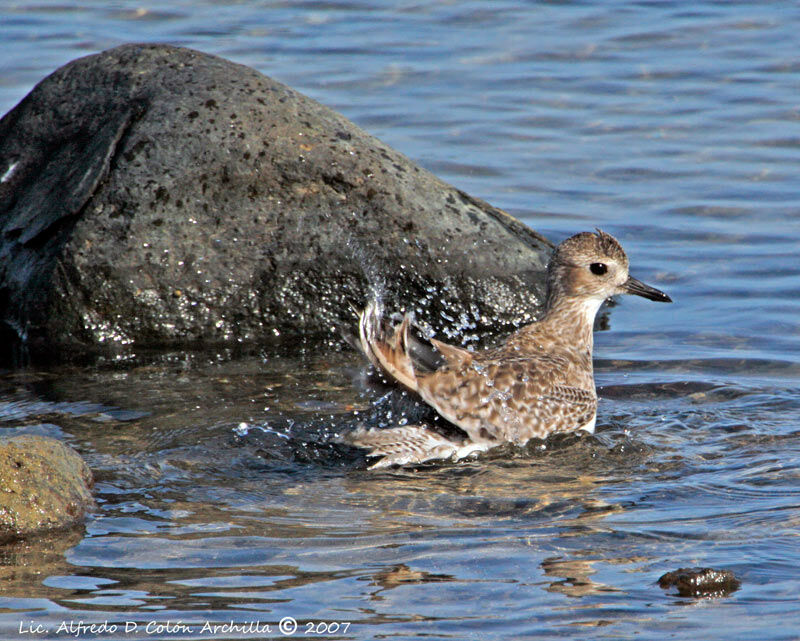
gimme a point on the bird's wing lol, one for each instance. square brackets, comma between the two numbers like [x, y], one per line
[455, 356]
[410, 444]
[508, 400]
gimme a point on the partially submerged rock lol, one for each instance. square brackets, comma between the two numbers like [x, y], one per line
[700, 582]
[45, 486]
[155, 194]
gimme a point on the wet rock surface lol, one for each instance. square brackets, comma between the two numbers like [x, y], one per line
[700, 582]
[153, 194]
[45, 486]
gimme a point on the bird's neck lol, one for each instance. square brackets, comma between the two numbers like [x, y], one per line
[572, 318]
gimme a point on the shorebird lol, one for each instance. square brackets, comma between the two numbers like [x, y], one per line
[539, 381]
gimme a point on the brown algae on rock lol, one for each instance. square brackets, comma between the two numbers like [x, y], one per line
[44, 485]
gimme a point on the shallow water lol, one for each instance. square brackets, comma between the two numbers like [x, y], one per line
[222, 494]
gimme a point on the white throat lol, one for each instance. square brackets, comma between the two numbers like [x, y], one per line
[589, 308]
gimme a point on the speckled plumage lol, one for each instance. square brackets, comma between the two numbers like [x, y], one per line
[539, 381]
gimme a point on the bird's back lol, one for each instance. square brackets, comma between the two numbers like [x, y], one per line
[528, 387]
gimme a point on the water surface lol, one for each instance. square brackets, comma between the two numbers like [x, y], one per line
[222, 494]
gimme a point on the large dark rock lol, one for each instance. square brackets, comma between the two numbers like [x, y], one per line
[152, 194]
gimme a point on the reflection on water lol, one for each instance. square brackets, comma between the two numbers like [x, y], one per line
[573, 577]
[222, 492]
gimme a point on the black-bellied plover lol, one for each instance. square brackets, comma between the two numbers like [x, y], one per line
[538, 382]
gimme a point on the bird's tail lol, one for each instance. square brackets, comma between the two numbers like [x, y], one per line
[387, 347]
[402, 445]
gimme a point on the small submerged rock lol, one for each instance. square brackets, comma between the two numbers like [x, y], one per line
[45, 486]
[700, 582]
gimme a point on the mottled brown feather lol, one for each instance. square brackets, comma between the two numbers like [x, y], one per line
[453, 355]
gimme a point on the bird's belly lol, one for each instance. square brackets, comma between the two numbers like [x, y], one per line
[589, 426]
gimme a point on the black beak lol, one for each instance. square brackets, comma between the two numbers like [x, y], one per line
[634, 286]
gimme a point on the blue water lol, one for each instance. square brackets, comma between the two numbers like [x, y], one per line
[674, 126]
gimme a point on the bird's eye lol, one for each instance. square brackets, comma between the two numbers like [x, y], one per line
[598, 269]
